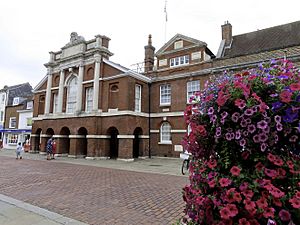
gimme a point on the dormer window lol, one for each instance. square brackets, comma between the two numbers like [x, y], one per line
[29, 105]
[16, 101]
[178, 44]
[179, 61]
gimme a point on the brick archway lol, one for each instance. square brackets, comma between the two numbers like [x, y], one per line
[113, 143]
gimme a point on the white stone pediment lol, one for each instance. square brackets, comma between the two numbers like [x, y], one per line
[73, 50]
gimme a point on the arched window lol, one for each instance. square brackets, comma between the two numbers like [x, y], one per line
[113, 96]
[165, 133]
[71, 95]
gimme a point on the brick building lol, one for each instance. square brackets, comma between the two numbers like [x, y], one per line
[97, 108]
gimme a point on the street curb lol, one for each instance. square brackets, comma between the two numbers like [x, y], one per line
[40, 211]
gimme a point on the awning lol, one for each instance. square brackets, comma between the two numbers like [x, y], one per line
[16, 131]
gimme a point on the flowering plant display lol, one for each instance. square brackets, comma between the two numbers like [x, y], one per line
[244, 138]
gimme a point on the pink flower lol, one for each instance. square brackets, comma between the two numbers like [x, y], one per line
[269, 213]
[212, 183]
[245, 155]
[295, 86]
[201, 130]
[276, 192]
[259, 166]
[278, 161]
[277, 202]
[261, 203]
[212, 163]
[224, 182]
[249, 206]
[270, 173]
[244, 186]
[295, 202]
[225, 213]
[271, 157]
[284, 215]
[222, 98]
[285, 96]
[290, 164]
[248, 194]
[232, 209]
[235, 171]
[243, 221]
[240, 103]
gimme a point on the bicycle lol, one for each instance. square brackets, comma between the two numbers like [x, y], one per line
[186, 162]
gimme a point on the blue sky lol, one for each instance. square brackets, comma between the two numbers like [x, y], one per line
[30, 29]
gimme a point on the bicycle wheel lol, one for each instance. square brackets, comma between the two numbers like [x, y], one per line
[185, 167]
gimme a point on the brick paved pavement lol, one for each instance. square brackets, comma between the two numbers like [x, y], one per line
[94, 195]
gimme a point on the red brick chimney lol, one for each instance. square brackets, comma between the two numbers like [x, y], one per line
[149, 55]
[227, 33]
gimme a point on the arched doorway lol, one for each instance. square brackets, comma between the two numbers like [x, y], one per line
[37, 140]
[113, 143]
[82, 142]
[64, 141]
[136, 142]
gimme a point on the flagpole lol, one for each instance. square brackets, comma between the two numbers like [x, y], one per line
[166, 16]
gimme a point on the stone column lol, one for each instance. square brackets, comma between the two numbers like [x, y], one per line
[48, 91]
[79, 88]
[96, 82]
[61, 91]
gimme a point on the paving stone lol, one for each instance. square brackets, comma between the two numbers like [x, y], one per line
[96, 194]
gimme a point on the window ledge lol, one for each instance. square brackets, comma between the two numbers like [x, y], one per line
[165, 143]
[164, 104]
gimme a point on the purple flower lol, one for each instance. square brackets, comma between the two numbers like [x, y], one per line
[290, 115]
[213, 118]
[232, 135]
[255, 109]
[243, 123]
[242, 142]
[276, 137]
[263, 137]
[268, 119]
[249, 112]
[266, 130]
[262, 124]
[256, 138]
[224, 115]
[237, 134]
[235, 117]
[263, 147]
[251, 128]
[222, 121]
[228, 136]
[298, 98]
[279, 127]
[218, 132]
[210, 111]
[293, 138]
[245, 133]
[276, 106]
[248, 121]
[277, 119]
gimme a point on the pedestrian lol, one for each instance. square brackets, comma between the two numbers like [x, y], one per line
[49, 148]
[53, 148]
[19, 150]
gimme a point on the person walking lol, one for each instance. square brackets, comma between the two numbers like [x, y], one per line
[49, 148]
[53, 148]
[19, 150]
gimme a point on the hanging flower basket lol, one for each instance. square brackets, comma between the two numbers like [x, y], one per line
[245, 144]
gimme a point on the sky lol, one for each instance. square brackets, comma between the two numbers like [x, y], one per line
[30, 29]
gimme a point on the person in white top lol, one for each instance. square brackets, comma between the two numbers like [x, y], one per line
[19, 150]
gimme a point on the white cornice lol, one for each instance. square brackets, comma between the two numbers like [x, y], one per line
[107, 114]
